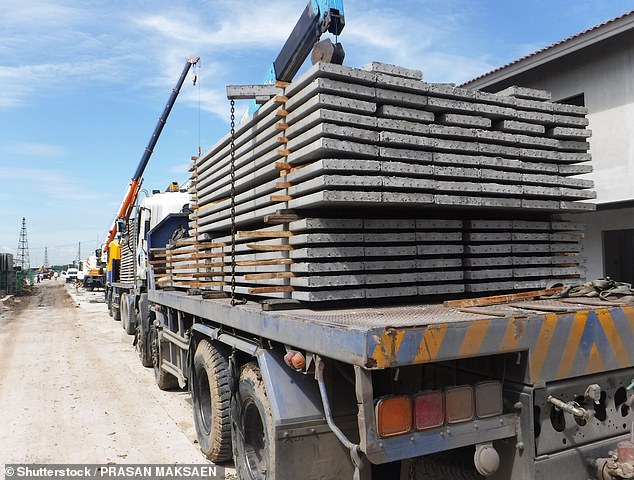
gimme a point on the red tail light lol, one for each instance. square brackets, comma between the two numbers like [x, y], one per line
[429, 410]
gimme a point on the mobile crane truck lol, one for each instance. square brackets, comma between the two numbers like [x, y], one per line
[280, 311]
[126, 281]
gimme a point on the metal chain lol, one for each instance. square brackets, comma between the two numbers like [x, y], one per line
[234, 302]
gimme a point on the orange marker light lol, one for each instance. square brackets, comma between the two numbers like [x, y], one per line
[394, 416]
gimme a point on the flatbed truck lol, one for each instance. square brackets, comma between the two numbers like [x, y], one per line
[522, 389]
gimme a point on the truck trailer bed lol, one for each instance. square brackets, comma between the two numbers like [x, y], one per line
[596, 335]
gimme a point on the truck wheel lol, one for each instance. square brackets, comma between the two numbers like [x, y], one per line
[252, 428]
[109, 300]
[128, 317]
[116, 311]
[143, 345]
[124, 309]
[164, 380]
[211, 392]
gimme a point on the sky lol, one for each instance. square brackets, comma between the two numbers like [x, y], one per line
[83, 83]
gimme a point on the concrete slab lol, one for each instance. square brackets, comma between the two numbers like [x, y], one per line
[464, 120]
[393, 70]
[400, 112]
[525, 93]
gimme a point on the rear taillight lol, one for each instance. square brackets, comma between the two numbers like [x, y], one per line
[459, 403]
[488, 397]
[429, 410]
[394, 416]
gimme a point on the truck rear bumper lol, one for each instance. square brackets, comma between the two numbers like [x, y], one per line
[575, 463]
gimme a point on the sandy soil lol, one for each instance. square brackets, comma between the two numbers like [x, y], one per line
[72, 388]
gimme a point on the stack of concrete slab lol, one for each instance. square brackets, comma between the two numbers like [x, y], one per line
[324, 259]
[377, 143]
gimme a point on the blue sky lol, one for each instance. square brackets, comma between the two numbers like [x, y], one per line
[82, 84]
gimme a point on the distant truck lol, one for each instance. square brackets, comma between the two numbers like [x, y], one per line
[72, 275]
[94, 272]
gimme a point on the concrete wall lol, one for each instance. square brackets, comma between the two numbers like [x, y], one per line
[592, 244]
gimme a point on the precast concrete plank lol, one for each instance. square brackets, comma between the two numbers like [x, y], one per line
[573, 145]
[400, 112]
[336, 198]
[457, 200]
[335, 182]
[493, 236]
[382, 224]
[574, 157]
[332, 131]
[487, 262]
[530, 237]
[440, 289]
[532, 272]
[439, 236]
[312, 224]
[325, 237]
[577, 206]
[575, 182]
[405, 126]
[329, 165]
[402, 99]
[464, 120]
[417, 156]
[567, 226]
[326, 147]
[436, 263]
[489, 286]
[391, 237]
[440, 276]
[487, 249]
[433, 224]
[514, 126]
[565, 247]
[393, 70]
[488, 274]
[525, 93]
[577, 194]
[540, 204]
[429, 250]
[570, 121]
[333, 71]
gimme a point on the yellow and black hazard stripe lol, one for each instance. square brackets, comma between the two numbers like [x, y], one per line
[559, 345]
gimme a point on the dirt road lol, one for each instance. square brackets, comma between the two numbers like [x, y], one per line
[72, 389]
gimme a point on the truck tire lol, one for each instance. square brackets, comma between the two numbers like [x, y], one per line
[128, 316]
[109, 300]
[252, 427]
[116, 311]
[124, 310]
[143, 341]
[211, 394]
[164, 380]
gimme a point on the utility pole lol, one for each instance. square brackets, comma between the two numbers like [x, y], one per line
[78, 259]
[23, 259]
[45, 257]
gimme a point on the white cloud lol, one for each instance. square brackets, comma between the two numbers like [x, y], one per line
[48, 184]
[36, 150]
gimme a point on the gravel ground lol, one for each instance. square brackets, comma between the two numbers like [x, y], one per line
[72, 388]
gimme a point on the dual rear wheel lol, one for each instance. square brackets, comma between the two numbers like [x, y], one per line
[240, 427]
